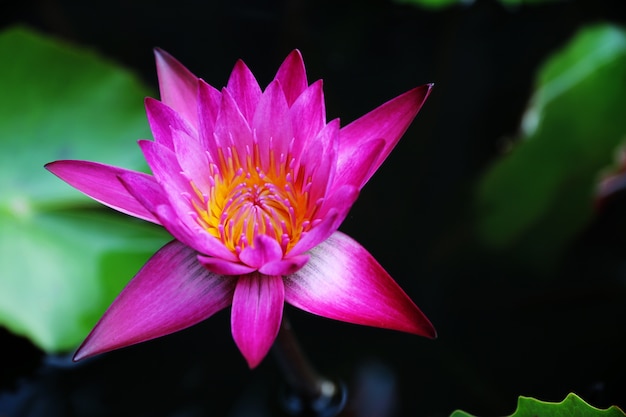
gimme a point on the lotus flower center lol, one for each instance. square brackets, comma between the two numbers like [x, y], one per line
[245, 201]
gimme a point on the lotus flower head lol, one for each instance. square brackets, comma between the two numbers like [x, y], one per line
[253, 185]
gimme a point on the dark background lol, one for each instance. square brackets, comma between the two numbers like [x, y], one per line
[504, 330]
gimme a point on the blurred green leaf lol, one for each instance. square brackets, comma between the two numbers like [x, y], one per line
[536, 198]
[571, 406]
[56, 245]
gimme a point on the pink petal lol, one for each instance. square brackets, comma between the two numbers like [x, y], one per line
[177, 85]
[271, 122]
[317, 234]
[163, 120]
[209, 101]
[192, 235]
[231, 127]
[165, 167]
[256, 314]
[319, 159]
[171, 292]
[244, 89]
[224, 267]
[263, 250]
[388, 122]
[339, 201]
[100, 182]
[285, 266]
[176, 186]
[145, 190]
[342, 281]
[335, 207]
[192, 158]
[292, 76]
[357, 169]
[308, 113]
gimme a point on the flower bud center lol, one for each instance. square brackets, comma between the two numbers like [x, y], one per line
[245, 201]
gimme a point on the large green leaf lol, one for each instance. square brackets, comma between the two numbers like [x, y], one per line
[62, 257]
[571, 406]
[536, 198]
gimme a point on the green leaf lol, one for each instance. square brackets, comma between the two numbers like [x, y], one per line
[536, 198]
[63, 258]
[571, 406]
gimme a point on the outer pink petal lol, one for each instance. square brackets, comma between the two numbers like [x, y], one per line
[177, 85]
[100, 182]
[171, 292]
[292, 76]
[256, 314]
[388, 122]
[244, 89]
[342, 281]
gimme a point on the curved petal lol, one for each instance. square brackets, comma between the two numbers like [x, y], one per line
[177, 85]
[101, 182]
[292, 76]
[256, 314]
[343, 281]
[389, 122]
[333, 212]
[171, 292]
[357, 169]
[264, 249]
[285, 266]
[341, 201]
[224, 267]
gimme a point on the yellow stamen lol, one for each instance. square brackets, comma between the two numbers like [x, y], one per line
[244, 201]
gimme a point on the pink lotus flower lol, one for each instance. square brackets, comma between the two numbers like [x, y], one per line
[253, 186]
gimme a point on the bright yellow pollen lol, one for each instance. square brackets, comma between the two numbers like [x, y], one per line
[244, 201]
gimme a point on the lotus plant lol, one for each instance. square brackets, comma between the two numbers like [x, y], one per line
[253, 185]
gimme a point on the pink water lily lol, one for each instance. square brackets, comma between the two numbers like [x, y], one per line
[253, 185]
